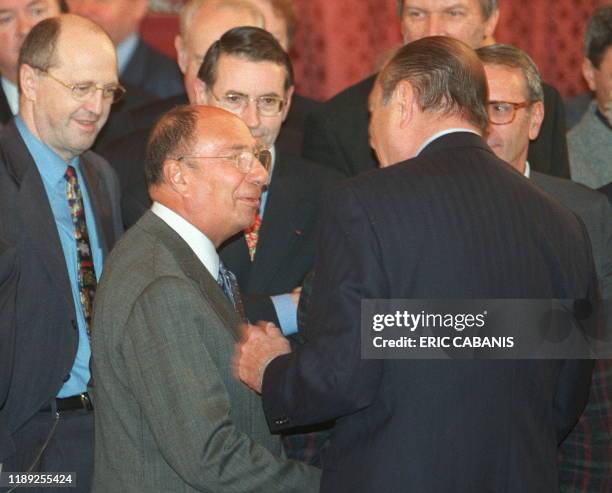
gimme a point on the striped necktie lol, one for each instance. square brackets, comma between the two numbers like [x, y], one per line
[229, 285]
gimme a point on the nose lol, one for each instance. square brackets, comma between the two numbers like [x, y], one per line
[96, 102]
[435, 25]
[250, 115]
[258, 174]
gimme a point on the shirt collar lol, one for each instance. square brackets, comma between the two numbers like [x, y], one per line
[51, 166]
[527, 172]
[12, 94]
[125, 51]
[197, 241]
[442, 133]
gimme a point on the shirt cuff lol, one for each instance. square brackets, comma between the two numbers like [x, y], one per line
[286, 312]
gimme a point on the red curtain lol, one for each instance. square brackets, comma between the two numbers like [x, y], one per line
[339, 42]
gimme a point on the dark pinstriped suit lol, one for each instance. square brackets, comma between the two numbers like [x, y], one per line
[450, 223]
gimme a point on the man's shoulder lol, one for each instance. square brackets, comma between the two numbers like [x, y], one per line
[570, 193]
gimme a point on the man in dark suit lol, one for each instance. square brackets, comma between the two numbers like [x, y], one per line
[433, 226]
[170, 415]
[248, 73]
[21, 16]
[516, 111]
[337, 134]
[59, 209]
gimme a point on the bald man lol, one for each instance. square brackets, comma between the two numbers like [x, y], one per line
[170, 414]
[59, 210]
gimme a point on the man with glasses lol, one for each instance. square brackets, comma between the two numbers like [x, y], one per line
[337, 135]
[247, 73]
[170, 415]
[17, 17]
[515, 115]
[59, 210]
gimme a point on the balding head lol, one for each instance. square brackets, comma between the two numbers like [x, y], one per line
[202, 23]
[192, 168]
[67, 77]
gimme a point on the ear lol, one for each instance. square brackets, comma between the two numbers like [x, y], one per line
[181, 53]
[174, 175]
[535, 119]
[201, 93]
[404, 102]
[588, 72]
[288, 98]
[28, 81]
[491, 24]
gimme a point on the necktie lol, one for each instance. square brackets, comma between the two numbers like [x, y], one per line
[251, 235]
[227, 281]
[86, 272]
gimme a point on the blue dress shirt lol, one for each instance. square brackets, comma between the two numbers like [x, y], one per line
[52, 169]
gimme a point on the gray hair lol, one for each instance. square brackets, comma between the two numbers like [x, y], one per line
[191, 8]
[446, 76]
[598, 35]
[511, 56]
[487, 8]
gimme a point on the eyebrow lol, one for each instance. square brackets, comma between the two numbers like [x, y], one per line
[239, 93]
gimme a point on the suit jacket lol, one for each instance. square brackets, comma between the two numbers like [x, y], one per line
[46, 321]
[5, 109]
[8, 289]
[436, 226]
[337, 134]
[153, 72]
[170, 415]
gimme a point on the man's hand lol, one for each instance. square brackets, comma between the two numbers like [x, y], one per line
[260, 344]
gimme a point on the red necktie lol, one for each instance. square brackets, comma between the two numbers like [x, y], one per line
[251, 235]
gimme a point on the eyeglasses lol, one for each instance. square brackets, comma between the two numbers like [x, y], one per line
[83, 91]
[504, 112]
[237, 103]
[243, 160]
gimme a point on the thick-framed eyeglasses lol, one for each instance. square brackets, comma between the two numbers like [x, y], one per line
[84, 90]
[237, 103]
[243, 160]
[504, 112]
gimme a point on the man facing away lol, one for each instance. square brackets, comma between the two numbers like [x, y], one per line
[59, 210]
[432, 224]
[171, 415]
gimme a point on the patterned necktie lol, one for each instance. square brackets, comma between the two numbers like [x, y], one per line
[251, 234]
[229, 285]
[86, 272]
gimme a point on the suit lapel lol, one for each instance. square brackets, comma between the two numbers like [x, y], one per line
[5, 110]
[195, 270]
[281, 227]
[34, 208]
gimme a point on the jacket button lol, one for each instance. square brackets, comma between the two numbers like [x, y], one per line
[282, 421]
[66, 378]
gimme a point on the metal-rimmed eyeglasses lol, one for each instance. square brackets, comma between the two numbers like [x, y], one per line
[237, 102]
[243, 160]
[84, 90]
[504, 112]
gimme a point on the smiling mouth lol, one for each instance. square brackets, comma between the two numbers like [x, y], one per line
[87, 124]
